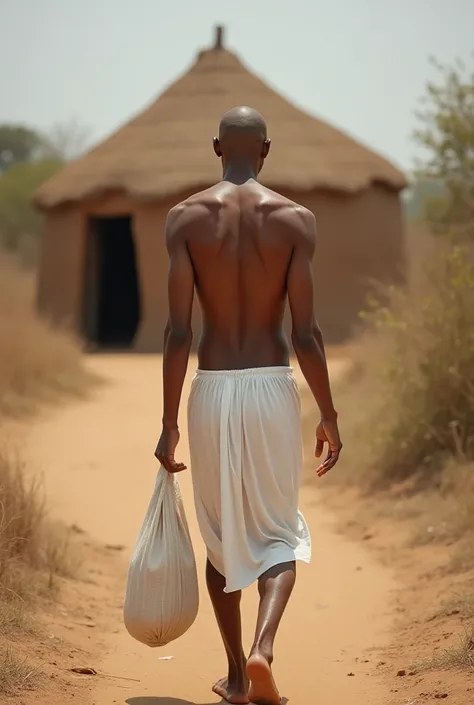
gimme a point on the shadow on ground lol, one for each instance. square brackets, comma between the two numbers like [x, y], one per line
[176, 701]
[164, 701]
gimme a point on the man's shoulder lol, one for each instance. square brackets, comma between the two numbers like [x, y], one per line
[285, 208]
[191, 211]
[199, 198]
[194, 204]
[297, 220]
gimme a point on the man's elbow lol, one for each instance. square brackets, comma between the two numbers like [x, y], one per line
[180, 336]
[317, 333]
[305, 339]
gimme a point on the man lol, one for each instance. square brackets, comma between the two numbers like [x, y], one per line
[245, 249]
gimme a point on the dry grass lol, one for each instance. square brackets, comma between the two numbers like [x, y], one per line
[440, 514]
[15, 674]
[407, 404]
[38, 362]
[33, 551]
[407, 418]
[462, 604]
[15, 619]
[445, 513]
[460, 655]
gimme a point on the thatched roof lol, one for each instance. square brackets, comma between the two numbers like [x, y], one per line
[167, 148]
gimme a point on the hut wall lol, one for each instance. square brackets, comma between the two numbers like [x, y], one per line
[360, 239]
[60, 276]
[153, 267]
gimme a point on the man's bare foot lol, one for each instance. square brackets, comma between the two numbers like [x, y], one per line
[263, 690]
[232, 692]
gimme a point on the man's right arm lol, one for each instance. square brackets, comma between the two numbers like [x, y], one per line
[306, 335]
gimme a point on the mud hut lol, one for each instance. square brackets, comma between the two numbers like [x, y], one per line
[103, 263]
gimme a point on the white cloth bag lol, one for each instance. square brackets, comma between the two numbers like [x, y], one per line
[162, 597]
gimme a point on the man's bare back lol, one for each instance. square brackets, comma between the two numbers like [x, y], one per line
[241, 241]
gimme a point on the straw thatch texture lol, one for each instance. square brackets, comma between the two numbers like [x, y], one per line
[167, 148]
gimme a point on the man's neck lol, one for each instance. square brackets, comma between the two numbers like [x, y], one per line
[239, 172]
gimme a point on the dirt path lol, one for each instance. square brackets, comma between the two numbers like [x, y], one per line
[97, 459]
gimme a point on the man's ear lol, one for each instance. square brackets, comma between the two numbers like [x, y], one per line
[217, 147]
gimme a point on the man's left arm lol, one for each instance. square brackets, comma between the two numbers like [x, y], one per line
[178, 337]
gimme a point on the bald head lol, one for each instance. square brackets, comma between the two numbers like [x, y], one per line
[243, 121]
[242, 136]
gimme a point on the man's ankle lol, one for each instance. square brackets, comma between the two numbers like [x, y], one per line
[264, 650]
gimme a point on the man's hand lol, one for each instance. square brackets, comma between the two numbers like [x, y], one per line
[165, 450]
[327, 432]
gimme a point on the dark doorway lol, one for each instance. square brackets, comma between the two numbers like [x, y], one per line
[112, 297]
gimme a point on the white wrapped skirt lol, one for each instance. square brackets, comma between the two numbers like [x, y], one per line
[246, 461]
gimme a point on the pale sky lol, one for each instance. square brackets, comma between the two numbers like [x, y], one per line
[360, 64]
